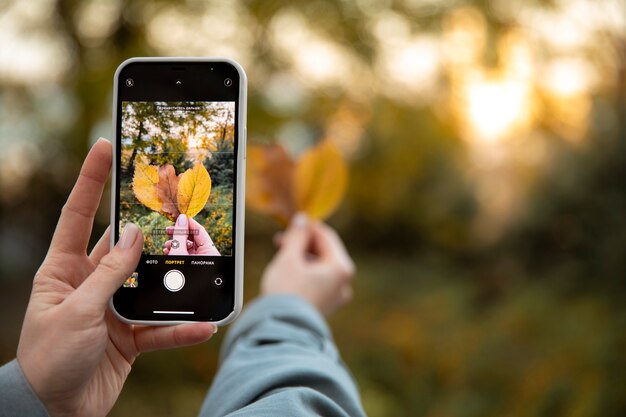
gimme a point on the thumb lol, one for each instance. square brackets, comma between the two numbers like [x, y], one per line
[113, 269]
[297, 236]
[180, 236]
[182, 226]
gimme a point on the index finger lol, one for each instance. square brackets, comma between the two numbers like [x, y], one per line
[74, 227]
[202, 239]
[200, 235]
[149, 338]
[330, 246]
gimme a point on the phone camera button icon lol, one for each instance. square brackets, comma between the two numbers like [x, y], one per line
[130, 82]
[178, 82]
[174, 280]
[228, 82]
[218, 281]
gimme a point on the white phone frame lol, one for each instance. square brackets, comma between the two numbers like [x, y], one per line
[241, 182]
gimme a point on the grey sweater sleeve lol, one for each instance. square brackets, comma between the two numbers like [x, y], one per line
[279, 359]
[17, 398]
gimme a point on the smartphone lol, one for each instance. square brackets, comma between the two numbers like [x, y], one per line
[178, 174]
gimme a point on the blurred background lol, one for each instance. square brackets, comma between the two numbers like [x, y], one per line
[486, 209]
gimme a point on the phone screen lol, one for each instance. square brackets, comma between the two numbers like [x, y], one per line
[177, 163]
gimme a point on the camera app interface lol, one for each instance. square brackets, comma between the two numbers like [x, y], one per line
[176, 181]
[176, 176]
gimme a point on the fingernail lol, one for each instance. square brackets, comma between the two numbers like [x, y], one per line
[299, 220]
[101, 139]
[181, 221]
[128, 236]
[214, 329]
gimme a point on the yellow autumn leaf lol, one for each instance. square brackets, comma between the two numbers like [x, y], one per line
[145, 179]
[194, 188]
[320, 181]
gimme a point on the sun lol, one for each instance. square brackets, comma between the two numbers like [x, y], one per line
[194, 141]
[495, 107]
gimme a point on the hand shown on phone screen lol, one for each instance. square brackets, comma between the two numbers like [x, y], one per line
[188, 237]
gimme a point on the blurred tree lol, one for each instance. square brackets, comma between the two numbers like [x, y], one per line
[221, 163]
[528, 322]
[135, 118]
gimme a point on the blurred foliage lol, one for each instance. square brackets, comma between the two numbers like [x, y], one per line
[485, 212]
[159, 146]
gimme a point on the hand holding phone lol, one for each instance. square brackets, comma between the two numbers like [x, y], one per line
[73, 352]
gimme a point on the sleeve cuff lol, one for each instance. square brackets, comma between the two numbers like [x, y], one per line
[16, 394]
[283, 308]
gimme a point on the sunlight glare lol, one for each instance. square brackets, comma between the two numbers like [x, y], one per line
[193, 141]
[495, 107]
[317, 60]
[464, 36]
[413, 66]
[568, 77]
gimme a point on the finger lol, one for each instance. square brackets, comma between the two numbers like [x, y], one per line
[166, 251]
[176, 247]
[278, 239]
[169, 230]
[168, 244]
[329, 246]
[199, 234]
[202, 239]
[182, 226]
[102, 247]
[113, 269]
[152, 338]
[346, 293]
[74, 227]
[297, 237]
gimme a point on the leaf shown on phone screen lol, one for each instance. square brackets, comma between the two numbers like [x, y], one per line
[194, 188]
[161, 190]
[167, 190]
[321, 178]
[145, 179]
